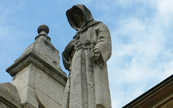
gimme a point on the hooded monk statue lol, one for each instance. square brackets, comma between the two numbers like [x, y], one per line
[85, 58]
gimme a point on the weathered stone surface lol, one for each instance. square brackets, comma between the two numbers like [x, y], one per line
[36, 85]
[27, 105]
[3, 105]
[10, 90]
[9, 97]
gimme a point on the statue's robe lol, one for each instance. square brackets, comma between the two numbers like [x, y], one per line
[87, 85]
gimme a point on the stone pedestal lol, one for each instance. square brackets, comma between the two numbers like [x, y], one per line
[37, 74]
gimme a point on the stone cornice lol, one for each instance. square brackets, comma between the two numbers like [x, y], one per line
[32, 57]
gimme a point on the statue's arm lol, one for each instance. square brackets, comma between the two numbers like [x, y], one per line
[103, 43]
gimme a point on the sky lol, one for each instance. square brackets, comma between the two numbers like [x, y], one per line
[141, 32]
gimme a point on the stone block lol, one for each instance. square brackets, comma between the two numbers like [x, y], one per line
[9, 97]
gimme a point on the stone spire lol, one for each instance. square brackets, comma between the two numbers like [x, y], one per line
[37, 75]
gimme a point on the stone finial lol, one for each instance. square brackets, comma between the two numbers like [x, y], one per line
[43, 30]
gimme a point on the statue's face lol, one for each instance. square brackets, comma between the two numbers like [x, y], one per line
[78, 18]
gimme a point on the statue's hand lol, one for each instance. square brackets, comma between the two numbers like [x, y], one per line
[96, 55]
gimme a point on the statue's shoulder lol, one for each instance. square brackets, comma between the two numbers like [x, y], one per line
[101, 25]
[93, 23]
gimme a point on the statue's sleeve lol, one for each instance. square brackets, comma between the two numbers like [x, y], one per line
[103, 42]
[66, 55]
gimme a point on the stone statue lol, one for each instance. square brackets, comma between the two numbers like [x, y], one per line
[85, 58]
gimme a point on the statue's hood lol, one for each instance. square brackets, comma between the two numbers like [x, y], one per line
[87, 16]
